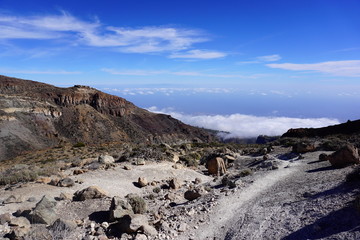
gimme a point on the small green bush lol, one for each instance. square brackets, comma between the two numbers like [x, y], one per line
[245, 172]
[189, 161]
[137, 203]
[79, 145]
[157, 190]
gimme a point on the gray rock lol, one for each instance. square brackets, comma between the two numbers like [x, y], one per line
[66, 182]
[135, 223]
[4, 218]
[119, 208]
[44, 212]
[62, 225]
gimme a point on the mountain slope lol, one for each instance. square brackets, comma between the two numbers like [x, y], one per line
[35, 115]
[348, 128]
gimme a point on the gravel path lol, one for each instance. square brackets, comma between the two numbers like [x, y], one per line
[306, 200]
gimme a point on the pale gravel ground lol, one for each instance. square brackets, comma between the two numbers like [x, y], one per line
[308, 200]
[116, 182]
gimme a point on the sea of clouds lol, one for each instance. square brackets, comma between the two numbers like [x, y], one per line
[246, 126]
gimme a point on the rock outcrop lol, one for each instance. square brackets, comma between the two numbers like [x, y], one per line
[216, 166]
[345, 156]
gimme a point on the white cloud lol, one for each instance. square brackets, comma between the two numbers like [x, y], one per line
[169, 91]
[147, 39]
[240, 125]
[50, 72]
[350, 68]
[262, 59]
[139, 72]
[199, 54]
[133, 72]
[269, 58]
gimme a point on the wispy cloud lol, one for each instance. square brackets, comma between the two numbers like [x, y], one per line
[50, 72]
[138, 72]
[199, 54]
[350, 68]
[147, 39]
[133, 72]
[168, 91]
[269, 58]
[240, 125]
[262, 59]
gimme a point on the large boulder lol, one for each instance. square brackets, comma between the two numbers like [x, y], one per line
[119, 208]
[89, 193]
[303, 147]
[345, 156]
[44, 212]
[216, 166]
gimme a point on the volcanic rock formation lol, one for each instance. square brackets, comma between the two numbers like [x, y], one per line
[35, 115]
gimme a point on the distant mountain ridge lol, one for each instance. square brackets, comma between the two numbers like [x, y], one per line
[36, 115]
[348, 128]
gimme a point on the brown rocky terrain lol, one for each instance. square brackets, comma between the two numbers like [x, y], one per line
[166, 192]
[348, 128]
[35, 115]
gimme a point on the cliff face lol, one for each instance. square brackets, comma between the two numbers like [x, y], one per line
[35, 115]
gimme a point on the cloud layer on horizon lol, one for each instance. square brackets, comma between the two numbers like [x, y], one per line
[243, 126]
[348, 68]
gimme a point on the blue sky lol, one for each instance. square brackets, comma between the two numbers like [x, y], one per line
[298, 59]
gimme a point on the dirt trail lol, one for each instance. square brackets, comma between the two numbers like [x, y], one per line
[306, 200]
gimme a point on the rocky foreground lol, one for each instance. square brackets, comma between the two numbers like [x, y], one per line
[274, 192]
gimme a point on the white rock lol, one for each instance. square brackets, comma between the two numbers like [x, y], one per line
[106, 159]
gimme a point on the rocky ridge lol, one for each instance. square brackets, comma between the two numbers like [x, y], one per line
[35, 115]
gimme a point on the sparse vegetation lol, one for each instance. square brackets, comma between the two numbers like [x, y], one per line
[137, 203]
[79, 145]
[245, 172]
